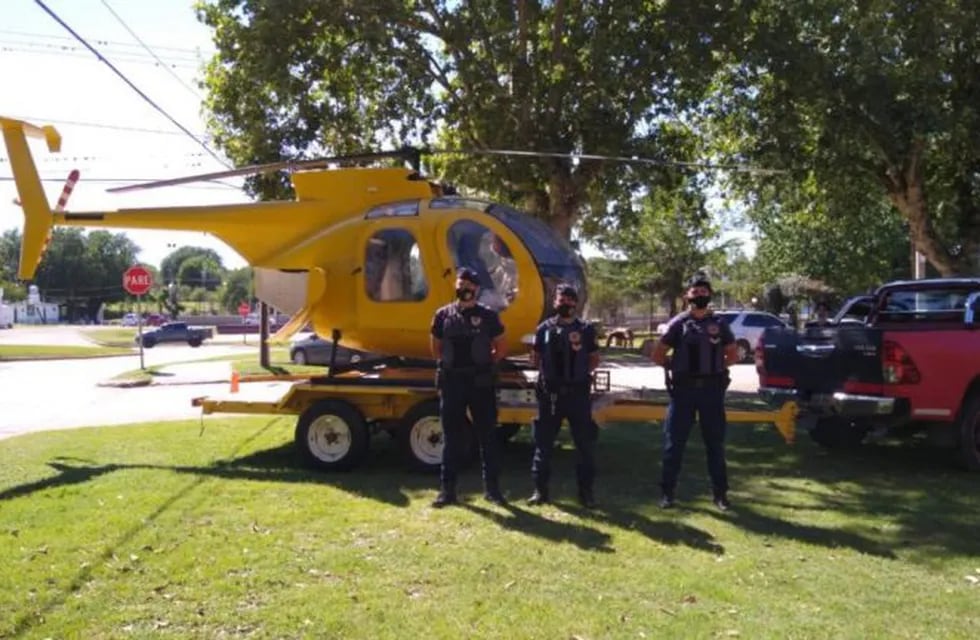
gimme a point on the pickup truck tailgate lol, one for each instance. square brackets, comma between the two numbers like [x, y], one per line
[823, 360]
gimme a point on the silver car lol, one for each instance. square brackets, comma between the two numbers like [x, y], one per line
[748, 326]
[313, 349]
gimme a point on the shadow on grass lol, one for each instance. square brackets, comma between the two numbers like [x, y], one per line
[532, 524]
[878, 500]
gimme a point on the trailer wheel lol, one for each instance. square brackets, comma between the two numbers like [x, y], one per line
[969, 450]
[838, 433]
[332, 436]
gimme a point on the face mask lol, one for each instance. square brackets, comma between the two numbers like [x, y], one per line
[701, 302]
[565, 310]
[464, 294]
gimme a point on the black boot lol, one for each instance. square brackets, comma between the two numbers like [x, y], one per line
[667, 500]
[721, 501]
[585, 475]
[445, 498]
[492, 493]
[540, 496]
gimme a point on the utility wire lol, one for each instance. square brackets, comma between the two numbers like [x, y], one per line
[82, 40]
[216, 183]
[99, 125]
[35, 36]
[150, 51]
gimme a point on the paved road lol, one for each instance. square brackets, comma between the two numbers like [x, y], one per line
[58, 394]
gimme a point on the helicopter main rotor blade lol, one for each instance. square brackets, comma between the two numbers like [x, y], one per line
[291, 165]
[589, 156]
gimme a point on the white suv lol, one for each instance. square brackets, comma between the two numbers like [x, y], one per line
[748, 326]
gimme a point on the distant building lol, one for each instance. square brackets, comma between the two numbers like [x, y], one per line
[34, 310]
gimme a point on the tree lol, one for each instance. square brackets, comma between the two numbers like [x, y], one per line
[864, 97]
[200, 271]
[170, 267]
[670, 235]
[238, 287]
[85, 271]
[297, 77]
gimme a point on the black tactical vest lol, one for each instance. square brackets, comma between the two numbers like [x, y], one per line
[699, 350]
[565, 356]
[462, 334]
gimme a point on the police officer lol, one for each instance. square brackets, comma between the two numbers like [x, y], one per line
[697, 373]
[467, 340]
[565, 353]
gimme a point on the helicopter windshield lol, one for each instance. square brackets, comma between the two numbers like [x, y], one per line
[556, 261]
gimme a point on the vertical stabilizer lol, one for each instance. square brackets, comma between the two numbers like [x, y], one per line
[37, 212]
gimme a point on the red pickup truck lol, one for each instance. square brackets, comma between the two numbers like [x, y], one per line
[912, 366]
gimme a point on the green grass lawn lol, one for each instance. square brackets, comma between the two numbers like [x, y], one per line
[56, 351]
[165, 530]
[116, 337]
[279, 364]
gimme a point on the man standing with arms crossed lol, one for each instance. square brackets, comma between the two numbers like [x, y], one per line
[467, 341]
[697, 374]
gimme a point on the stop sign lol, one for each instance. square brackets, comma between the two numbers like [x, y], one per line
[137, 280]
[243, 309]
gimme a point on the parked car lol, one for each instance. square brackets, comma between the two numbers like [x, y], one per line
[747, 325]
[130, 320]
[175, 332]
[312, 349]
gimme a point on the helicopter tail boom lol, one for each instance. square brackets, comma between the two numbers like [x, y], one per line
[38, 219]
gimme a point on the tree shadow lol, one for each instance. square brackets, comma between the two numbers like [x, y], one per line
[532, 524]
[668, 532]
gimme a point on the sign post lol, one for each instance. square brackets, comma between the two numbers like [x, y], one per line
[137, 280]
[243, 310]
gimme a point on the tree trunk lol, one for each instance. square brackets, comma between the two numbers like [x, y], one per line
[906, 191]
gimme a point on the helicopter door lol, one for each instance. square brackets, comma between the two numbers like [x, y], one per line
[474, 245]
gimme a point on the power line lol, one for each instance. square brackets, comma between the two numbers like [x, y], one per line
[95, 51]
[51, 36]
[100, 125]
[150, 51]
[129, 57]
[215, 184]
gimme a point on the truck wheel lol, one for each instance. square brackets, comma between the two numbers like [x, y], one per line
[744, 351]
[148, 344]
[332, 436]
[194, 342]
[970, 434]
[838, 433]
[299, 357]
[421, 441]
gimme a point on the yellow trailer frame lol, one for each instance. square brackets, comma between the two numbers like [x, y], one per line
[334, 413]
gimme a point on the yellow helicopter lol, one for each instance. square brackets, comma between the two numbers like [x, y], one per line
[364, 254]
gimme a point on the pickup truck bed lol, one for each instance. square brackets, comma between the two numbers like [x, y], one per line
[913, 366]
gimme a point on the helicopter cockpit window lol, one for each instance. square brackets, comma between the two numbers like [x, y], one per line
[477, 247]
[393, 210]
[393, 268]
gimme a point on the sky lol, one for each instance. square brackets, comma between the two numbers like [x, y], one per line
[48, 77]
[109, 132]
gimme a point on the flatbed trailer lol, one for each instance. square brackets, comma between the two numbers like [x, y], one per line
[337, 415]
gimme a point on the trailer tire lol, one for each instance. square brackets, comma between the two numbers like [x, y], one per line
[421, 442]
[969, 449]
[838, 433]
[332, 435]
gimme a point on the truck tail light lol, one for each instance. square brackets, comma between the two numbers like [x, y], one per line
[760, 357]
[897, 367]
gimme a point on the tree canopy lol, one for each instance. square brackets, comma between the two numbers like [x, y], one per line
[298, 77]
[858, 98]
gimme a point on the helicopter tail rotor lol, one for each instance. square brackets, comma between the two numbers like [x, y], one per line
[38, 220]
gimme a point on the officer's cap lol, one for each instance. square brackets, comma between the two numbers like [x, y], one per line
[567, 291]
[699, 279]
[469, 275]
